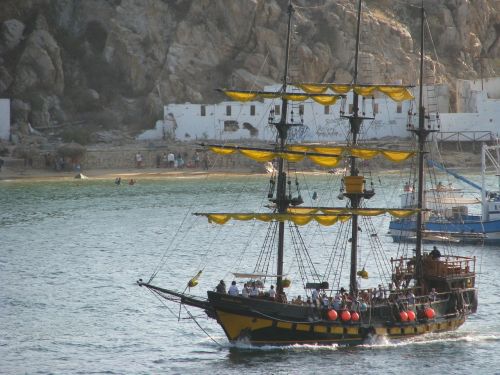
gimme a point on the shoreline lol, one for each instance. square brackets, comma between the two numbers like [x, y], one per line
[30, 174]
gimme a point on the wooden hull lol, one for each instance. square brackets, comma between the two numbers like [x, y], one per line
[268, 323]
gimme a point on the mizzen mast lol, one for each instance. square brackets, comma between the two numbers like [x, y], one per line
[421, 132]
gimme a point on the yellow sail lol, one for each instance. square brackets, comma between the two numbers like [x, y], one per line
[397, 93]
[364, 153]
[245, 96]
[299, 219]
[396, 212]
[261, 155]
[304, 215]
[320, 155]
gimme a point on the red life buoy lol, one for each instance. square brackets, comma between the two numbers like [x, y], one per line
[403, 316]
[346, 315]
[429, 313]
[332, 315]
[411, 315]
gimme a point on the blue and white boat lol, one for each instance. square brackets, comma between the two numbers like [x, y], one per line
[448, 218]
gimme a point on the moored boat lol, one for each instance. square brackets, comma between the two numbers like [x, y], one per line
[449, 218]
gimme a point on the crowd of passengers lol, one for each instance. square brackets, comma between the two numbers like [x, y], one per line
[342, 299]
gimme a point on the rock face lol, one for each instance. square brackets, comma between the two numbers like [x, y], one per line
[113, 64]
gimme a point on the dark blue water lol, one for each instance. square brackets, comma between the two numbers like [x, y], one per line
[70, 253]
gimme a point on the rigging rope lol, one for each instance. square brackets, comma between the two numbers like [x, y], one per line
[200, 327]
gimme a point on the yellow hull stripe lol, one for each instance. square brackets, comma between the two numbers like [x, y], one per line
[235, 324]
[284, 325]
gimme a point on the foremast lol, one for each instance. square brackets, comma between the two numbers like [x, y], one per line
[282, 201]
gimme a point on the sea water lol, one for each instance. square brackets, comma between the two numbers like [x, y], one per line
[71, 252]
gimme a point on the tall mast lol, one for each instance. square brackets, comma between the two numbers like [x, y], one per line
[355, 122]
[282, 127]
[422, 134]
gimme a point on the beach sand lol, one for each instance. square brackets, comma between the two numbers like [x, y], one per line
[9, 174]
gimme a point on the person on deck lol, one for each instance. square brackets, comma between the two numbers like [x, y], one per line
[272, 293]
[233, 289]
[410, 297]
[435, 253]
[337, 301]
[254, 292]
[315, 297]
[433, 295]
[245, 291]
[221, 287]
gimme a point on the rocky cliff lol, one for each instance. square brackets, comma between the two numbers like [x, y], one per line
[112, 64]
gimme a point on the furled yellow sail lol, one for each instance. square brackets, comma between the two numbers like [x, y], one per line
[359, 152]
[245, 96]
[397, 93]
[321, 155]
[304, 215]
[325, 160]
[299, 219]
[396, 212]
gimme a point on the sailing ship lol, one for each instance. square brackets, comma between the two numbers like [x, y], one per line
[449, 219]
[421, 292]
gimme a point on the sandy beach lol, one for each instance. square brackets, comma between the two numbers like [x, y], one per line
[9, 174]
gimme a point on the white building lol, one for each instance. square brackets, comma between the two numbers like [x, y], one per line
[5, 119]
[478, 110]
[231, 121]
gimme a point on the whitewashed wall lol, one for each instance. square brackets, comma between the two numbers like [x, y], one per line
[480, 112]
[318, 125]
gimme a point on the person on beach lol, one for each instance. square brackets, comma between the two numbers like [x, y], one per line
[139, 159]
[171, 159]
[196, 159]
[205, 161]
[164, 159]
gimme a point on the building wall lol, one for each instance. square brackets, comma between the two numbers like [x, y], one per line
[199, 122]
[5, 119]
[477, 111]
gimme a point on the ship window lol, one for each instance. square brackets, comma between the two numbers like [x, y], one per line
[277, 109]
[203, 110]
[375, 108]
[301, 109]
[252, 110]
[228, 110]
[399, 108]
[327, 109]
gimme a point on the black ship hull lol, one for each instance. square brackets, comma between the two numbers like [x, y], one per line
[260, 322]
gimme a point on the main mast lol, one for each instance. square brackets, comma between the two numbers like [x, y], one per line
[355, 121]
[282, 126]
